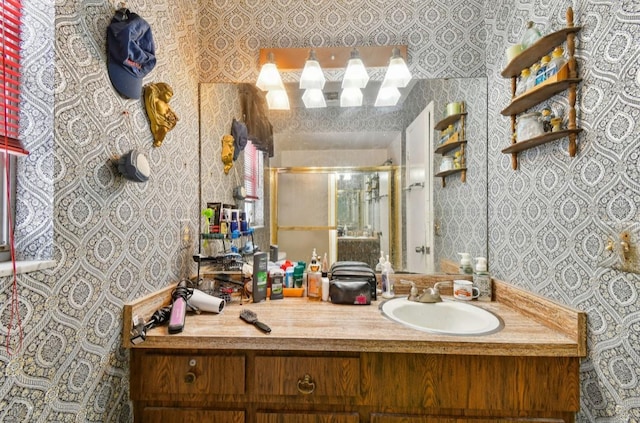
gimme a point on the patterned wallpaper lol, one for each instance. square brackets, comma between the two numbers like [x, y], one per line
[549, 220]
[445, 38]
[114, 241]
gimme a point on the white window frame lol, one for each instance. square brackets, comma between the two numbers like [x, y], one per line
[254, 202]
[5, 209]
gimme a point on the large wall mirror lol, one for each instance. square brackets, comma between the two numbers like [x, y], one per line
[337, 141]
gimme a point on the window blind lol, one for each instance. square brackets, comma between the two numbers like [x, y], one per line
[10, 13]
[251, 171]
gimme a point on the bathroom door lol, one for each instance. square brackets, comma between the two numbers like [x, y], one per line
[419, 192]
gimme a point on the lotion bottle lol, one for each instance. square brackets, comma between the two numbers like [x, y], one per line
[465, 264]
[325, 278]
[482, 280]
[387, 291]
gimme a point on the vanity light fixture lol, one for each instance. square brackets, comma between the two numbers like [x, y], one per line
[388, 95]
[351, 97]
[320, 59]
[313, 98]
[277, 100]
[355, 76]
[397, 74]
[312, 76]
[269, 77]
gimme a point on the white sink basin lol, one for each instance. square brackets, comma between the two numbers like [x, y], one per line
[447, 317]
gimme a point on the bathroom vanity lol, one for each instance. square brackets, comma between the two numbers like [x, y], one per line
[331, 363]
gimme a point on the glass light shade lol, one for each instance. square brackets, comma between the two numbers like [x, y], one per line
[278, 100]
[398, 74]
[356, 75]
[269, 78]
[387, 96]
[351, 97]
[313, 98]
[312, 76]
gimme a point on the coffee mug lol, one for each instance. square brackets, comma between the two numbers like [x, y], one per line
[464, 290]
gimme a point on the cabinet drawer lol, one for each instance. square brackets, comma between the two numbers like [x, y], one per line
[307, 418]
[178, 415]
[159, 375]
[388, 418]
[307, 376]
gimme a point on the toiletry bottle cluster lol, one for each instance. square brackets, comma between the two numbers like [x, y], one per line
[539, 72]
[481, 277]
[312, 278]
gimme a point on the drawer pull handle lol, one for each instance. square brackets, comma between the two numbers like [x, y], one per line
[306, 386]
[190, 377]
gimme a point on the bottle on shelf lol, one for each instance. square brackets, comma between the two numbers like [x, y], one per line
[525, 74]
[530, 36]
[541, 73]
[531, 81]
[557, 61]
[546, 115]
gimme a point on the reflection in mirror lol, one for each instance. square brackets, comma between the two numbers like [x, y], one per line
[366, 136]
[337, 211]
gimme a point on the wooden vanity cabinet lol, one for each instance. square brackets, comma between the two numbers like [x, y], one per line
[349, 387]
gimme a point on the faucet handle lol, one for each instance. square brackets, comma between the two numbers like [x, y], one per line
[437, 285]
[413, 293]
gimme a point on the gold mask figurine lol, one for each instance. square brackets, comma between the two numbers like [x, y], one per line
[162, 119]
[227, 152]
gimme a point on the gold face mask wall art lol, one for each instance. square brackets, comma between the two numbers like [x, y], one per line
[162, 118]
[227, 152]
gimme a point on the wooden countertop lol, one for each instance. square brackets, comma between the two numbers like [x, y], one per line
[540, 328]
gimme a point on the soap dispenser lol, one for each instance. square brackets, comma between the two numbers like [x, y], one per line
[465, 264]
[482, 279]
[314, 278]
[314, 264]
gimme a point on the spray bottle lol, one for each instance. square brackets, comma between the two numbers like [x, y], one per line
[482, 280]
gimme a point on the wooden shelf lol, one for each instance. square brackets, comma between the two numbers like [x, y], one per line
[541, 47]
[444, 174]
[566, 79]
[444, 148]
[537, 95]
[444, 123]
[542, 139]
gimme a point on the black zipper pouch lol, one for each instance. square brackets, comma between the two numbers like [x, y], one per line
[350, 291]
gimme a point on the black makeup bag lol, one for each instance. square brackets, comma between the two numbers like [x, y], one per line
[355, 272]
[357, 292]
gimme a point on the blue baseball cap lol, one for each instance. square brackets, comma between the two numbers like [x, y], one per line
[131, 52]
[239, 134]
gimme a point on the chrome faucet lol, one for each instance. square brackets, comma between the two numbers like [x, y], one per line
[429, 295]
